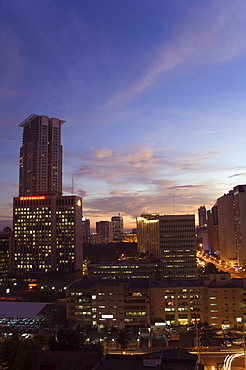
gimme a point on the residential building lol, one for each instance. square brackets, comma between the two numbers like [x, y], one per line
[117, 228]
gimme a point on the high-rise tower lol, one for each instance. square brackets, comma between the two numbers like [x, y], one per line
[47, 226]
[117, 228]
[40, 156]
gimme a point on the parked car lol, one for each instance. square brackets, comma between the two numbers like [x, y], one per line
[238, 341]
[191, 328]
[204, 328]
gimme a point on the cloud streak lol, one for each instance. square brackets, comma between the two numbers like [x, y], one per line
[193, 44]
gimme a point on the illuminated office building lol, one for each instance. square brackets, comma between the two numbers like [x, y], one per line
[171, 238]
[6, 237]
[148, 234]
[178, 247]
[47, 227]
[104, 231]
[117, 228]
[47, 234]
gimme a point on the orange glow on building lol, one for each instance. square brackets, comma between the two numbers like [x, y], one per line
[33, 198]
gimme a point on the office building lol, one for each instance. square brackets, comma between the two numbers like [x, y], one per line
[47, 234]
[47, 227]
[104, 232]
[40, 156]
[178, 247]
[148, 234]
[171, 238]
[117, 228]
[122, 269]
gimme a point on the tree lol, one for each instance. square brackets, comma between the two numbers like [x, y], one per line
[122, 340]
[66, 340]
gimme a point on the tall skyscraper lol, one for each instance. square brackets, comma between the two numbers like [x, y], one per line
[47, 226]
[117, 228]
[40, 156]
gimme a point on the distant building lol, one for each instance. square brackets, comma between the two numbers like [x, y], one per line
[117, 228]
[148, 234]
[202, 216]
[6, 237]
[122, 269]
[104, 232]
[213, 229]
[86, 229]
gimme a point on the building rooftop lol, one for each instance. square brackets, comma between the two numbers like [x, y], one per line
[128, 283]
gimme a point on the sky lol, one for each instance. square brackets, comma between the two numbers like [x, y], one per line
[152, 92]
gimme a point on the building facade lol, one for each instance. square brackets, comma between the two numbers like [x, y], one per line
[40, 156]
[47, 234]
[148, 234]
[6, 237]
[47, 227]
[104, 232]
[117, 228]
[178, 247]
[122, 269]
[232, 226]
[218, 301]
[109, 303]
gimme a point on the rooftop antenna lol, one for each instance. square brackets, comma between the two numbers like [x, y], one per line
[173, 204]
[72, 190]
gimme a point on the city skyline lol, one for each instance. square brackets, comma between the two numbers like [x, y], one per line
[152, 94]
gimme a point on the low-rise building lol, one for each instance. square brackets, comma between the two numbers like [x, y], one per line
[122, 269]
[107, 303]
[218, 301]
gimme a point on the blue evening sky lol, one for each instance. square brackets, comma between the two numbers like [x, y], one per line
[152, 92]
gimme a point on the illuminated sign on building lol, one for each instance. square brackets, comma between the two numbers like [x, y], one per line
[32, 198]
[107, 316]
